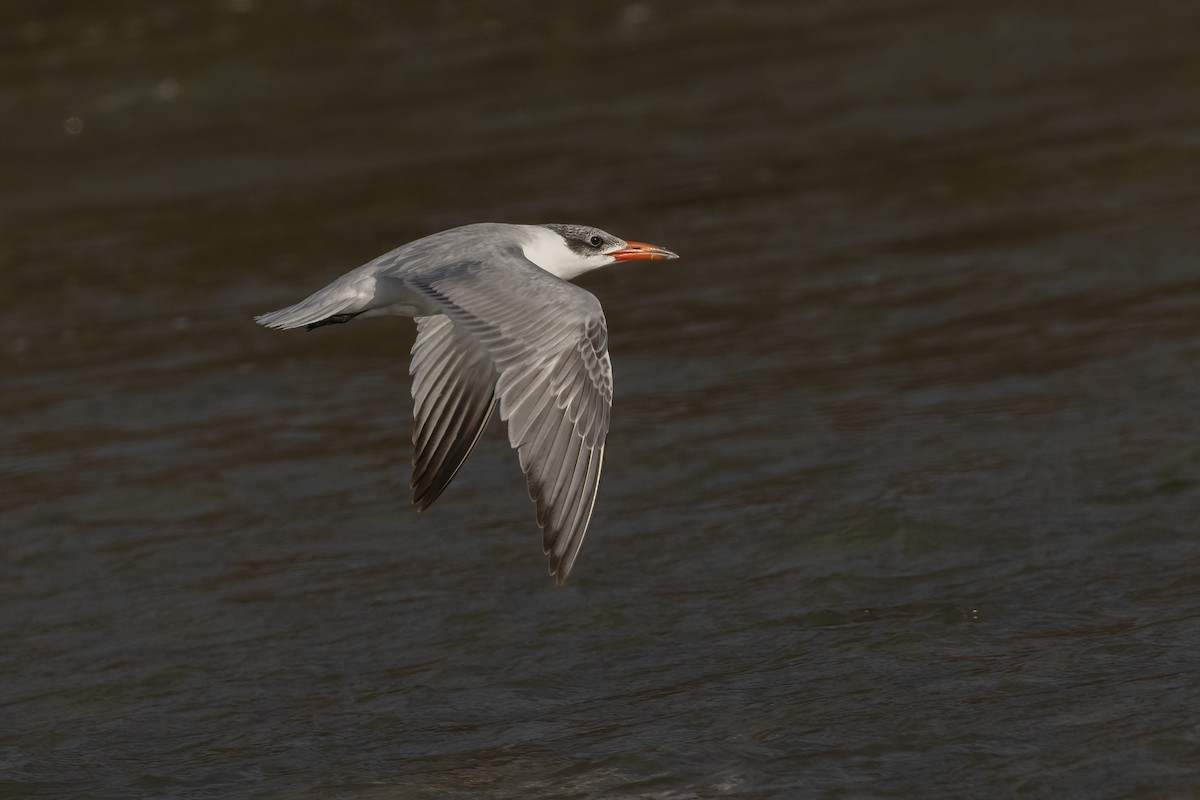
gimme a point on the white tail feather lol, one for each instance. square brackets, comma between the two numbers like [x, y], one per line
[333, 299]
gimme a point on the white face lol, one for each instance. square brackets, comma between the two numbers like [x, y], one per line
[549, 251]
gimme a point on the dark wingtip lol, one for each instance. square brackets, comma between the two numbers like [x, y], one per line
[426, 490]
[423, 500]
[556, 570]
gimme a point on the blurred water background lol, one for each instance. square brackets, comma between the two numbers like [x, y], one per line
[902, 489]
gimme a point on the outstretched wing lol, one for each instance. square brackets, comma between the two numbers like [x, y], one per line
[549, 342]
[453, 391]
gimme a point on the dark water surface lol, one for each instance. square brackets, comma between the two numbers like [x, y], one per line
[903, 484]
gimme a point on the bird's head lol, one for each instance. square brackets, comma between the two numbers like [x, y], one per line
[571, 250]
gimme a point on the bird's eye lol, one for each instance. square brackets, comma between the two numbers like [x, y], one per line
[595, 241]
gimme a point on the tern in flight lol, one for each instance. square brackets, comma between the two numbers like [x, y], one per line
[498, 320]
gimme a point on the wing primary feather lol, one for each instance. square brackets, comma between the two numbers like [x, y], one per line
[441, 437]
[561, 567]
[563, 479]
[438, 483]
[454, 394]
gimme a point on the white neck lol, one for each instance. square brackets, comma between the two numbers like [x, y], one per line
[549, 251]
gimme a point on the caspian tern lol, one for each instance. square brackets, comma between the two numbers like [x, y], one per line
[497, 319]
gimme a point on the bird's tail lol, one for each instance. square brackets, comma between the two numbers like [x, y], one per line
[331, 301]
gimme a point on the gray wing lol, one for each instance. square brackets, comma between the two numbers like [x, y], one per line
[454, 392]
[549, 342]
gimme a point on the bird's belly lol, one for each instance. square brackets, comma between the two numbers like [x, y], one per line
[395, 310]
[392, 298]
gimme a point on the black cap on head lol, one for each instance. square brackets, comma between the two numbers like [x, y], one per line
[584, 239]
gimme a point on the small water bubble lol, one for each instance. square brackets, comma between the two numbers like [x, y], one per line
[17, 346]
[33, 32]
[636, 15]
[93, 36]
[180, 323]
[73, 125]
[167, 89]
[942, 190]
[134, 28]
